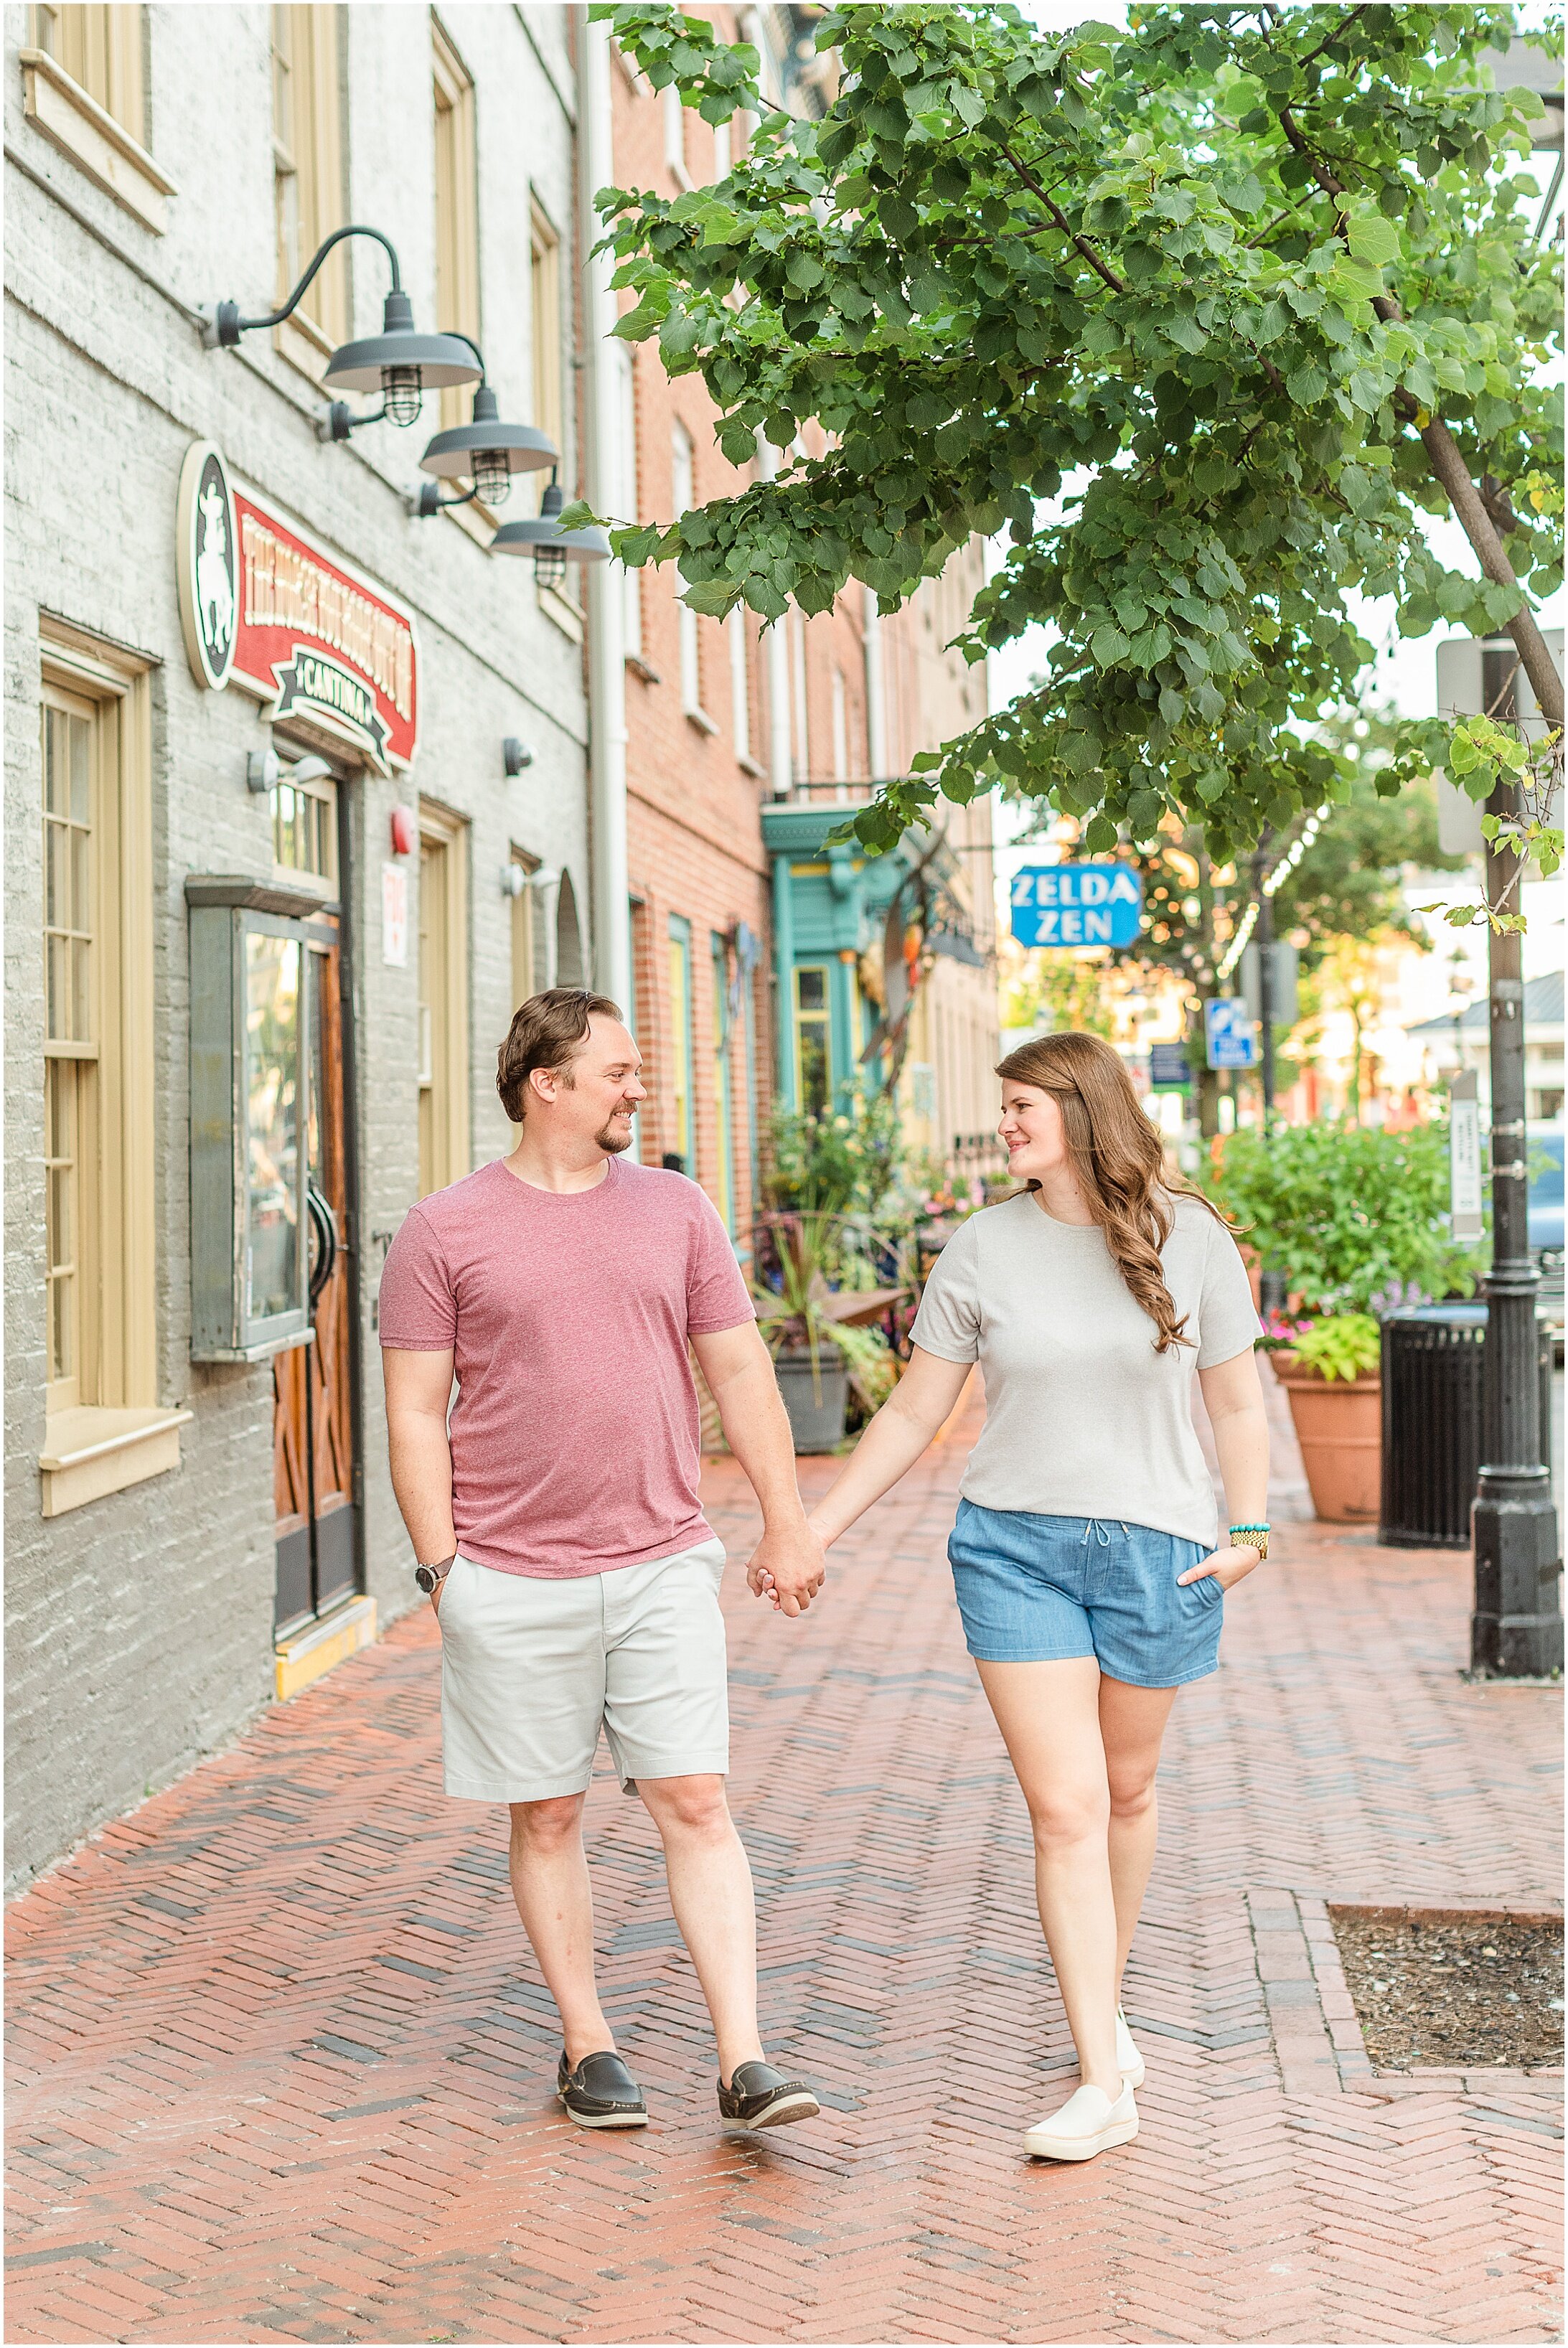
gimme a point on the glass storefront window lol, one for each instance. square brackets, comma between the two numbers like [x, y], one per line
[273, 970]
[813, 1047]
[304, 826]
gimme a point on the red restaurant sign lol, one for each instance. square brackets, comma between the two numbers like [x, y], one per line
[265, 608]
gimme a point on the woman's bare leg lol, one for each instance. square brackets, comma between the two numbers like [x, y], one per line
[1132, 1725]
[1049, 1718]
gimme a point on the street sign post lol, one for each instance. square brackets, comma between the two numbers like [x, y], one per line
[1228, 1034]
[1077, 905]
[1464, 1158]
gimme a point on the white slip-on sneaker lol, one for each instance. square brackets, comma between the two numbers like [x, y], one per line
[1088, 2123]
[1129, 2060]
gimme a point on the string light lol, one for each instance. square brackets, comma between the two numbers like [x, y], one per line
[1271, 881]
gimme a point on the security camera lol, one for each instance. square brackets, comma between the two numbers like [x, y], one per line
[515, 754]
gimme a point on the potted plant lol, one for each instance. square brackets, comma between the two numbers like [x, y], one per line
[1352, 1217]
[819, 1352]
[1329, 1369]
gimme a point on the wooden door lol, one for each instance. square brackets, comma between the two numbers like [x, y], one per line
[312, 1417]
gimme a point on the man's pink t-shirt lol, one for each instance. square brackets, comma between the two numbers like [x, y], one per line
[575, 1441]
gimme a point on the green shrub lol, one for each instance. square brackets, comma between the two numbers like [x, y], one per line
[1352, 1216]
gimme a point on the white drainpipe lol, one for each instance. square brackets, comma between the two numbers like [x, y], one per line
[780, 770]
[876, 705]
[607, 594]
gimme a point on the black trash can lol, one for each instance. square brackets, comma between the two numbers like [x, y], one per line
[1432, 1357]
[1431, 1425]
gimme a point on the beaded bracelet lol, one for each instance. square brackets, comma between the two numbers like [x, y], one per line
[1253, 1537]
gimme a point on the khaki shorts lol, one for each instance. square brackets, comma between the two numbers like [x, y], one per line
[531, 1670]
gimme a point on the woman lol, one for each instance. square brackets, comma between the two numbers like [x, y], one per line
[1085, 1555]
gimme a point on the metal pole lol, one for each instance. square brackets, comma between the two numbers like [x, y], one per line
[1516, 1629]
[1264, 935]
[607, 585]
[1271, 1284]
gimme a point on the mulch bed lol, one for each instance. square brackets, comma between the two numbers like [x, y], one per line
[1457, 1994]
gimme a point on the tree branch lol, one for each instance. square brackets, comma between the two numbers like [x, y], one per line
[1450, 470]
[1345, 21]
[1066, 226]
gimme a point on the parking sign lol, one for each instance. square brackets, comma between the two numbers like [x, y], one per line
[1228, 1034]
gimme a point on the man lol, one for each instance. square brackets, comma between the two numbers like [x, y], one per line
[557, 1528]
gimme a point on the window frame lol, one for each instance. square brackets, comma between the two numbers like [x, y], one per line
[457, 205]
[443, 1043]
[801, 1017]
[546, 356]
[107, 1429]
[323, 791]
[97, 137]
[683, 1055]
[315, 156]
[723, 1079]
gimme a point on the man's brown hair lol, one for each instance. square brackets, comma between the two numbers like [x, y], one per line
[548, 1031]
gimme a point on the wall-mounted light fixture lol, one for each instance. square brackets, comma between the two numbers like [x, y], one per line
[515, 755]
[487, 452]
[515, 879]
[265, 770]
[551, 547]
[399, 361]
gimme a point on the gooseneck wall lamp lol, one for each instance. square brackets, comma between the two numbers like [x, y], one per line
[487, 452]
[399, 361]
[551, 547]
[403, 365]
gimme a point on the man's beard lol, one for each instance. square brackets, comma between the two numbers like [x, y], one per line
[612, 1141]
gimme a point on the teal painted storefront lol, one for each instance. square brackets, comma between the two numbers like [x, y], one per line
[831, 904]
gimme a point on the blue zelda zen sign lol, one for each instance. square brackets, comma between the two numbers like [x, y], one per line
[1077, 905]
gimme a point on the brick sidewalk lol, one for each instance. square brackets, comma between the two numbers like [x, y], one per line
[281, 2070]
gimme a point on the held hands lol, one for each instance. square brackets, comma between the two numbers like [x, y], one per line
[788, 1568]
[1228, 1567]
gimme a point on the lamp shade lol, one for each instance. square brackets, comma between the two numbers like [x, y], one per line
[531, 537]
[551, 546]
[514, 448]
[439, 361]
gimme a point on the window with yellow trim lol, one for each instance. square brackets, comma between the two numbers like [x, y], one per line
[308, 191]
[683, 1105]
[101, 49]
[456, 207]
[545, 288]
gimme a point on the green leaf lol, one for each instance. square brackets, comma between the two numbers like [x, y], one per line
[1373, 239]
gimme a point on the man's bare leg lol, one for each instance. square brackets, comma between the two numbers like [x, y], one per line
[550, 1884]
[711, 1894]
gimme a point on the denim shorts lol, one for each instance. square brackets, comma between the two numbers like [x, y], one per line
[1038, 1589]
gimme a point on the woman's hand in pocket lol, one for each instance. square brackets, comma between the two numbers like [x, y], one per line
[1227, 1566]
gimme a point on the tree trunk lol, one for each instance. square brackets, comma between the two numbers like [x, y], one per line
[1478, 526]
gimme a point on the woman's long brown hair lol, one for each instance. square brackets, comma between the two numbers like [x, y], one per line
[1118, 1158]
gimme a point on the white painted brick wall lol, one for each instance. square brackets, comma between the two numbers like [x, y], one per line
[139, 1628]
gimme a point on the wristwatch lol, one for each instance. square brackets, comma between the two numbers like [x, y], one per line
[431, 1577]
[1251, 1537]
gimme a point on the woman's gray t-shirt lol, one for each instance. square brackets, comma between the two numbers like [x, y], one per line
[1083, 1417]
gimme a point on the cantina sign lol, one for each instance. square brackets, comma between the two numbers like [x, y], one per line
[265, 608]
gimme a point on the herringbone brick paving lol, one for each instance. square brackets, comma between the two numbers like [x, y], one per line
[281, 2070]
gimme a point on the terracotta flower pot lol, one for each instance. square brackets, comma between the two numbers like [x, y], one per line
[1339, 1426]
